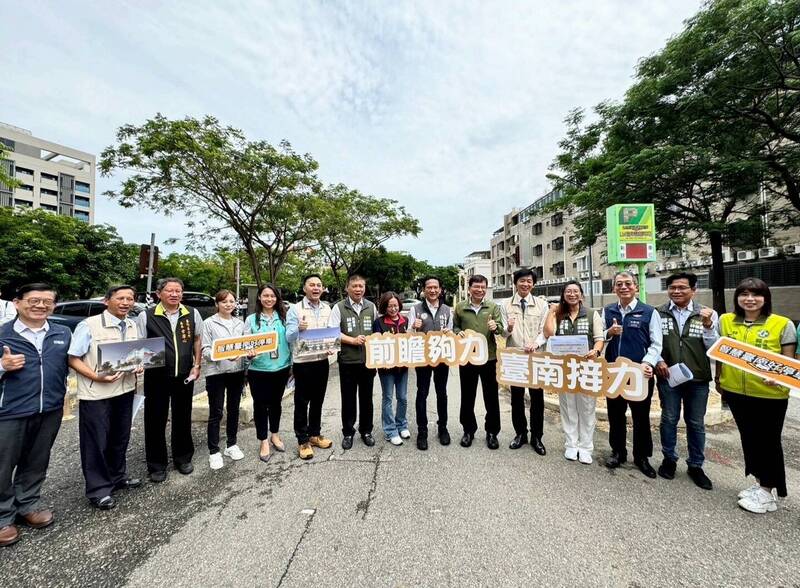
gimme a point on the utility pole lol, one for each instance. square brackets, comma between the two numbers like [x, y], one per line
[150, 264]
[591, 279]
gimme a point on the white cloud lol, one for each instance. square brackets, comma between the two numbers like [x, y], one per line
[452, 108]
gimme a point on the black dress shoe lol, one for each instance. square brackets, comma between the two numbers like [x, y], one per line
[615, 460]
[491, 441]
[667, 469]
[128, 484]
[538, 446]
[185, 468]
[518, 442]
[645, 467]
[422, 443]
[368, 439]
[444, 437]
[699, 477]
[104, 503]
[466, 440]
[157, 477]
[347, 442]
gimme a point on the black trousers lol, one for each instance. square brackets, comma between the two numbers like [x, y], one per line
[161, 389]
[267, 390]
[218, 387]
[760, 423]
[440, 374]
[518, 411]
[25, 445]
[310, 383]
[105, 429]
[618, 426]
[356, 385]
[469, 375]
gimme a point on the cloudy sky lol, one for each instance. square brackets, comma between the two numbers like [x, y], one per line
[452, 108]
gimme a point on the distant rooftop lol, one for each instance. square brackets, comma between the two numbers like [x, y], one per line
[16, 128]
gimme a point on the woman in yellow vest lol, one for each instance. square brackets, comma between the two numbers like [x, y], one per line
[758, 404]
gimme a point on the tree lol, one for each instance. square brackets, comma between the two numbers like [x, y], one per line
[264, 195]
[78, 259]
[353, 224]
[387, 271]
[6, 180]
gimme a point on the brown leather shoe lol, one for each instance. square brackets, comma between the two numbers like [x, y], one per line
[38, 519]
[8, 535]
[320, 441]
[305, 451]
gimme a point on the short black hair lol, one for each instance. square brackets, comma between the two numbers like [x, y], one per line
[426, 278]
[478, 278]
[307, 277]
[524, 272]
[757, 287]
[162, 283]
[689, 276]
[34, 287]
[114, 289]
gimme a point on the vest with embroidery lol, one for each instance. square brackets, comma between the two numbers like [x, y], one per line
[685, 347]
[103, 331]
[353, 325]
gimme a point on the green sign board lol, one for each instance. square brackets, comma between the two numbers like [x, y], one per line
[631, 230]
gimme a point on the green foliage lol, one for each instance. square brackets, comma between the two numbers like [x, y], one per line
[389, 270]
[352, 225]
[78, 259]
[5, 179]
[200, 274]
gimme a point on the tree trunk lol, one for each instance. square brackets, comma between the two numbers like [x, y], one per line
[717, 274]
[251, 255]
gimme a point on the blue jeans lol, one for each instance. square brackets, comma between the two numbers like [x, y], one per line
[394, 383]
[695, 398]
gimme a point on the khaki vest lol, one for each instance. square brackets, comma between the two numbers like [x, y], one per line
[313, 323]
[103, 331]
[527, 328]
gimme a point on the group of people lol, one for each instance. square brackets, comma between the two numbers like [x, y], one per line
[36, 356]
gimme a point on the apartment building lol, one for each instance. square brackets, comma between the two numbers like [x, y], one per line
[52, 177]
[476, 263]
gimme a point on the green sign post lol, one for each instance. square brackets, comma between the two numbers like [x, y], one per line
[631, 230]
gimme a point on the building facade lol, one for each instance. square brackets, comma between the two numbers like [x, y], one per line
[52, 177]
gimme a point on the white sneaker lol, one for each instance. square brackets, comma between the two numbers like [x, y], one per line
[759, 502]
[750, 490]
[215, 461]
[234, 452]
[405, 434]
[585, 457]
[396, 440]
[571, 453]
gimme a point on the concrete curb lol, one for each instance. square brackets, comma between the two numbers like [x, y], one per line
[200, 406]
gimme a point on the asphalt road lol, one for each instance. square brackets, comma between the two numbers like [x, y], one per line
[395, 516]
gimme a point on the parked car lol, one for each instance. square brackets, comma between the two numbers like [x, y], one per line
[407, 304]
[202, 302]
[69, 313]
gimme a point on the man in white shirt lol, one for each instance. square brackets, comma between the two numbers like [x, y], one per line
[7, 311]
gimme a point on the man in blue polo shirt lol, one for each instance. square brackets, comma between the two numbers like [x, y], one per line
[33, 374]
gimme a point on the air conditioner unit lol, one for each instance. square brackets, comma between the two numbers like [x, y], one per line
[695, 263]
[660, 267]
[706, 261]
[745, 255]
[792, 249]
[584, 275]
[596, 274]
[670, 265]
[767, 252]
[683, 263]
[727, 255]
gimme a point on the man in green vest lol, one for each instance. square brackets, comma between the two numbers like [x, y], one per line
[689, 329]
[354, 316]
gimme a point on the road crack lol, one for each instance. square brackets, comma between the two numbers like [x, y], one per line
[363, 505]
[309, 520]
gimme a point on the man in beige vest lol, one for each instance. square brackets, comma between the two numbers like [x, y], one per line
[525, 315]
[310, 371]
[106, 401]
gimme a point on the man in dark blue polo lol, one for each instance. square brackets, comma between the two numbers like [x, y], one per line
[33, 380]
[633, 330]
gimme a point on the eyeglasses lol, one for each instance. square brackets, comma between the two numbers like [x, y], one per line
[48, 302]
[677, 288]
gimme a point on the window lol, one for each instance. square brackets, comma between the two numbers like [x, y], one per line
[82, 187]
[539, 272]
[46, 192]
[557, 219]
[23, 203]
[557, 268]
[72, 309]
[96, 308]
[197, 299]
[24, 170]
[537, 249]
[81, 201]
[50, 177]
[558, 243]
[537, 229]
[81, 215]
[49, 208]
[10, 145]
[25, 187]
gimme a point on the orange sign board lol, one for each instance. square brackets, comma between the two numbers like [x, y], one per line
[233, 347]
[574, 374]
[773, 366]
